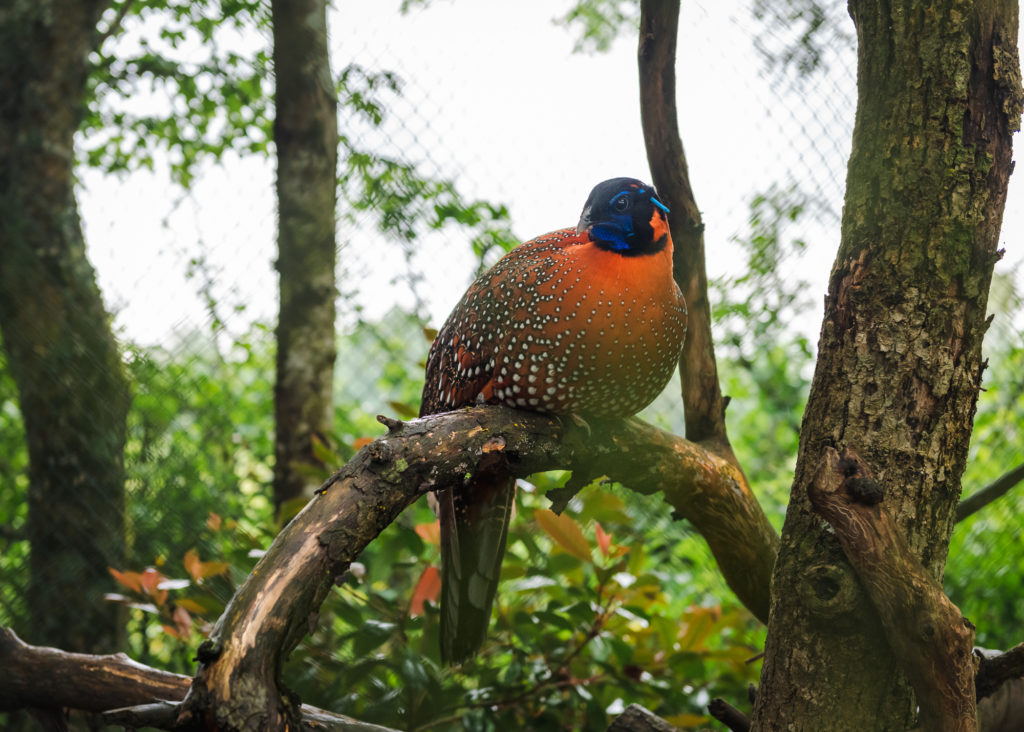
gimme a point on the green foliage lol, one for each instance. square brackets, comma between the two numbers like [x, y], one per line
[403, 202]
[585, 622]
[179, 80]
[985, 562]
[765, 362]
[600, 22]
[13, 506]
[200, 441]
[796, 35]
[200, 438]
[588, 621]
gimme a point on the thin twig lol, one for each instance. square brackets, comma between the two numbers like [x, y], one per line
[729, 715]
[114, 24]
[996, 489]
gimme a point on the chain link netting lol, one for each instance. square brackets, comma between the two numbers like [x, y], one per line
[494, 101]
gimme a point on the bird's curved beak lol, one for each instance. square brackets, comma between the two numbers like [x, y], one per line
[584, 224]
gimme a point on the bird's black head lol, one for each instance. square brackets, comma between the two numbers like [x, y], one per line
[624, 215]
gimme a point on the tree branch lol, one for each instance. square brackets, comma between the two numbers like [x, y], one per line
[123, 691]
[277, 605]
[114, 26]
[994, 671]
[36, 676]
[702, 395]
[930, 638]
[996, 489]
[636, 718]
[729, 715]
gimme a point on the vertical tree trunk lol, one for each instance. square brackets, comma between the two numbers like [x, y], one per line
[306, 136]
[73, 392]
[899, 362]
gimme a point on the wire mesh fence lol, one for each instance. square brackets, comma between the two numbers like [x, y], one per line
[496, 103]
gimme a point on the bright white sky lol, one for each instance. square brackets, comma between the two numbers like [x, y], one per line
[493, 98]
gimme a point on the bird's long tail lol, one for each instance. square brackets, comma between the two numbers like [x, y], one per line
[474, 529]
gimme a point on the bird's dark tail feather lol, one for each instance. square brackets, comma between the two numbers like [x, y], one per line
[474, 528]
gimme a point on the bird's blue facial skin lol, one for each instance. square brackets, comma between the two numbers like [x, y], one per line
[612, 235]
[618, 216]
[617, 228]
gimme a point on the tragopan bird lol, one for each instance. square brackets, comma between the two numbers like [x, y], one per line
[584, 321]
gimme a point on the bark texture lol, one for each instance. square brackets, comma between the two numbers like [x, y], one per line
[56, 334]
[899, 358]
[306, 137]
[931, 640]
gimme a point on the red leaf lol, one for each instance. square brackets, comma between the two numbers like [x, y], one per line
[182, 621]
[171, 630]
[604, 541]
[565, 531]
[213, 522]
[192, 565]
[209, 569]
[131, 580]
[428, 588]
[360, 442]
[199, 570]
[430, 533]
[151, 580]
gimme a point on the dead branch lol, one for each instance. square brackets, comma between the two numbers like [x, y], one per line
[729, 715]
[928, 635]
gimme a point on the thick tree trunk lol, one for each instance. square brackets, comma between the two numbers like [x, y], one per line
[899, 362]
[56, 333]
[306, 136]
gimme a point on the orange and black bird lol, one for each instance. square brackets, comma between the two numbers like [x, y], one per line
[585, 321]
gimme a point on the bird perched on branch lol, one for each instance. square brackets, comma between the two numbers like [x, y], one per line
[584, 321]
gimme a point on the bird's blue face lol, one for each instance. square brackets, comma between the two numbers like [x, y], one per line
[625, 216]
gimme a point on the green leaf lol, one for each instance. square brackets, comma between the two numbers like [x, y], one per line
[371, 636]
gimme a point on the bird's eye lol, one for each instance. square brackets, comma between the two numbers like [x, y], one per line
[620, 203]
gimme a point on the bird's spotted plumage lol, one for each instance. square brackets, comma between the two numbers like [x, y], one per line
[563, 324]
[584, 321]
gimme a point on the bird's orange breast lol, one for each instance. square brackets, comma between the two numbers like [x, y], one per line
[560, 325]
